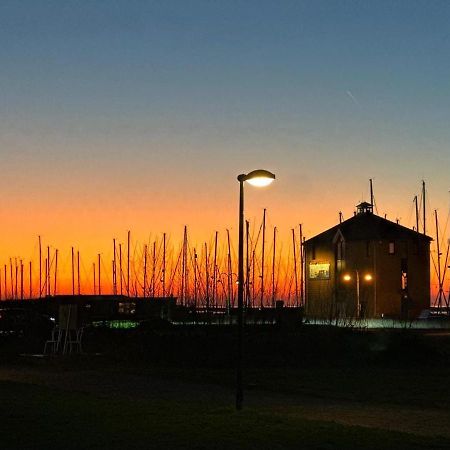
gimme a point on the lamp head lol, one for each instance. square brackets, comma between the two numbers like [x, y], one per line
[258, 178]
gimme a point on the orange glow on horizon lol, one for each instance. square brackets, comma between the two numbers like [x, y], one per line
[90, 222]
[59, 279]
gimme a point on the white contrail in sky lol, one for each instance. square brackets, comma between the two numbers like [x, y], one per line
[352, 97]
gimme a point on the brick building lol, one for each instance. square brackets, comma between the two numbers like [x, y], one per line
[369, 267]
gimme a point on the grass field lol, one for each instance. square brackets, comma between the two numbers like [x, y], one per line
[44, 418]
[134, 397]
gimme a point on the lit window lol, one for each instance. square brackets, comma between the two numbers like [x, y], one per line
[391, 248]
[404, 281]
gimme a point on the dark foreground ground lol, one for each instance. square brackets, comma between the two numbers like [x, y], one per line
[312, 388]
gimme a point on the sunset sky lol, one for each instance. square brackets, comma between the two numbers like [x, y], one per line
[139, 115]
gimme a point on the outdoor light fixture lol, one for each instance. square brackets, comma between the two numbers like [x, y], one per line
[258, 178]
[367, 277]
[260, 181]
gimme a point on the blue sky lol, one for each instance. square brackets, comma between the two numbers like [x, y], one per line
[327, 94]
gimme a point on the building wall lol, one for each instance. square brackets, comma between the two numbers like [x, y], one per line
[381, 296]
[389, 289]
[359, 262]
[319, 291]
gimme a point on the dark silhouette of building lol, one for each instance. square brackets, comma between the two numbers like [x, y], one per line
[367, 267]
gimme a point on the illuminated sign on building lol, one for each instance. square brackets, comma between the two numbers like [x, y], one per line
[319, 271]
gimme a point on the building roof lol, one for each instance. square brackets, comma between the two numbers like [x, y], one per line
[369, 226]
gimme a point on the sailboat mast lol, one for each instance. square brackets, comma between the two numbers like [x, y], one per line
[78, 272]
[11, 277]
[56, 271]
[11, 295]
[183, 262]
[424, 211]
[417, 212]
[302, 264]
[183, 269]
[262, 257]
[95, 283]
[253, 278]
[49, 292]
[438, 260]
[295, 267]
[153, 268]
[186, 268]
[273, 265]
[99, 275]
[128, 263]
[230, 275]
[247, 264]
[164, 267]
[215, 272]
[186, 271]
[447, 300]
[371, 193]
[121, 271]
[145, 271]
[73, 273]
[21, 280]
[40, 267]
[195, 279]
[31, 282]
[5, 281]
[114, 268]
[17, 276]
[46, 275]
[207, 277]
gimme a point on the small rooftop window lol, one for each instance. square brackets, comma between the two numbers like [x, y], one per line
[364, 208]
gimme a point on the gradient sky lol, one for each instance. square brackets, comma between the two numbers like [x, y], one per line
[139, 115]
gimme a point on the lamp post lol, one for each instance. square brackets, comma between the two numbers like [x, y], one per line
[259, 178]
[367, 277]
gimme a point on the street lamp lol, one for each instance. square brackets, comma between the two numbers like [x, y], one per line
[367, 277]
[258, 178]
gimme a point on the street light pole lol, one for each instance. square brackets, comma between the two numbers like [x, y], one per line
[240, 318]
[256, 178]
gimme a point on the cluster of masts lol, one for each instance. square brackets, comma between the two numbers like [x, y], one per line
[202, 276]
[199, 276]
[440, 265]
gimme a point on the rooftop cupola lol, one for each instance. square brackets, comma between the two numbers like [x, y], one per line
[364, 208]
